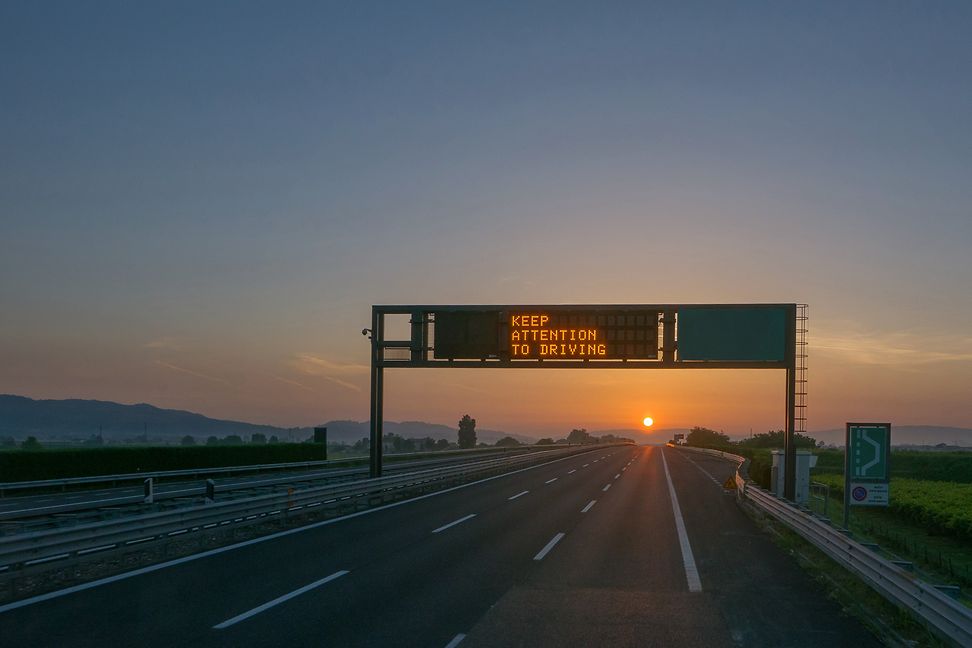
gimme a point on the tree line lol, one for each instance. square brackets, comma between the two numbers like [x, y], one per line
[701, 437]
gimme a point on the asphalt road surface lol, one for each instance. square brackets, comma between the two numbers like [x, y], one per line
[619, 547]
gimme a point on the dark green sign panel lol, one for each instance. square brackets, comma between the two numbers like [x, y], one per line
[732, 333]
[868, 451]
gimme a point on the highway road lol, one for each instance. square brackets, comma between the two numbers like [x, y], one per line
[626, 546]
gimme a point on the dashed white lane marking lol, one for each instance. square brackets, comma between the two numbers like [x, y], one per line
[606, 487]
[550, 481]
[550, 545]
[691, 571]
[455, 522]
[455, 641]
[589, 506]
[585, 465]
[617, 476]
[705, 472]
[513, 497]
[280, 599]
[40, 598]
[570, 472]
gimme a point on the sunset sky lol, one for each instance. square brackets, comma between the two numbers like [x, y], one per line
[200, 202]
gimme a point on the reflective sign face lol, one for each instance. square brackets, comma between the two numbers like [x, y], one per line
[868, 451]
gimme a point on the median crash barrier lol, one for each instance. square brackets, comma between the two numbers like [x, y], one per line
[27, 551]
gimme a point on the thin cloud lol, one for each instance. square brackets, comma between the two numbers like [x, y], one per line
[291, 382]
[895, 348]
[338, 381]
[313, 365]
[190, 372]
[165, 342]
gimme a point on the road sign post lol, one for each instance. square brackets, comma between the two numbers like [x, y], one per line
[148, 491]
[867, 466]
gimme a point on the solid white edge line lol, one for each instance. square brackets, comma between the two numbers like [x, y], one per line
[40, 598]
[688, 559]
[455, 641]
[521, 494]
[455, 522]
[589, 506]
[550, 545]
[277, 601]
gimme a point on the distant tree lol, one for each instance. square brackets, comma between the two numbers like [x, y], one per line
[211, 441]
[704, 438]
[258, 439]
[188, 440]
[31, 443]
[398, 443]
[274, 439]
[545, 441]
[579, 436]
[233, 439]
[442, 444]
[774, 439]
[362, 445]
[507, 442]
[94, 441]
[467, 432]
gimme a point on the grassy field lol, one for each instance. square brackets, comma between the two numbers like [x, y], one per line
[928, 523]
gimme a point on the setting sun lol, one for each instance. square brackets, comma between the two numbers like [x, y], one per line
[648, 421]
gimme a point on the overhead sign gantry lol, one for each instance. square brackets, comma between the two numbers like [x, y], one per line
[632, 336]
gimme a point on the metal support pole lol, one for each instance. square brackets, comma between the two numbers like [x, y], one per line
[789, 441]
[377, 392]
[668, 337]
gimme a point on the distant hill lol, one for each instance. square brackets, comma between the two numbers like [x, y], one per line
[908, 435]
[21, 417]
[74, 418]
[353, 430]
[650, 436]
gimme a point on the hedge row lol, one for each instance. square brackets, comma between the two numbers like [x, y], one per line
[27, 465]
[927, 466]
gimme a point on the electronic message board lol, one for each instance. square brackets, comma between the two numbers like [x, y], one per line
[547, 333]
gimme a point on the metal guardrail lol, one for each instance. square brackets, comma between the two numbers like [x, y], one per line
[40, 548]
[948, 618]
[17, 515]
[192, 472]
